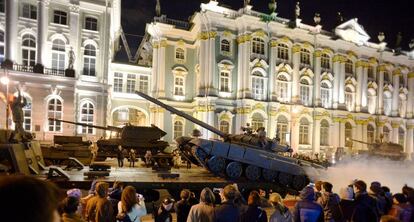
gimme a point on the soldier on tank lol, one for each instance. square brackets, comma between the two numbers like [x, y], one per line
[148, 158]
[16, 106]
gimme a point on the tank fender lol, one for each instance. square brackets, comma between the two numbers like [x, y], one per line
[220, 149]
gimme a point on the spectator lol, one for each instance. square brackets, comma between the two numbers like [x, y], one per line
[99, 208]
[116, 191]
[346, 203]
[204, 211]
[281, 213]
[318, 189]
[330, 203]
[182, 208]
[76, 193]
[131, 206]
[401, 209]
[120, 156]
[254, 213]
[70, 206]
[388, 197]
[163, 214]
[132, 158]
[365, 206]
[376, 192]
[228, 211]
[307, 209]
[263, 201]
[28, 199]
[388, 218]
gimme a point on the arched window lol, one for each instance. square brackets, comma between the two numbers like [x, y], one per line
[27, 115]
[258, 46]
[305, 92]
[387, 104]
[349, 98]
[305, 56]
[348, 135]
[282, 89]
[258, 84]
[324, 136]
[225, 45]
[282, 129]
[86, 116]
[179, 54]
[91, 23]
[282, 51]
[325, 61]
[325, 95]
[28, 50]
[386, 134]
[225, 126]
[58, 54]
[178, 128]
[55, 110]
[257, 121]
[1, 46]
[370, 134]
[371, 74]
[89, 60]
[349, 67]
[304, 131]
[401, 136]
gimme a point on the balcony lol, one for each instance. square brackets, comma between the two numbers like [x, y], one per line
[46, 71]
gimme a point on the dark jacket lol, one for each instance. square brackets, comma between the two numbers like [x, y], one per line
[309, 211]
[381, 203]
[99, 209]
[162, 214]
[330, 205]
[254, 214]
[365, 208]
[227, 212]
[119, 154]
[347, 208]
[182, 208]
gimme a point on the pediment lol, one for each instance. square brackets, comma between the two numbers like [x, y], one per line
[352, 31]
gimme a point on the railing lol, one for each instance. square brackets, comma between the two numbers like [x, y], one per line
[22, 68]
[46, 71]
[54, 72]
[177, 23]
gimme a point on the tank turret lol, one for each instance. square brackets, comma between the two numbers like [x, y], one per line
[383, 150]
[241, 157]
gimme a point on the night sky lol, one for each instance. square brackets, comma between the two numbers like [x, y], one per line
[388, 16]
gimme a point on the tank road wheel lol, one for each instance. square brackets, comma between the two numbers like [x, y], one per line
[200, 154]
[216, 164]
[234, 170]
[252, 173]
[269, 175]
[299, 182]
[285, 179]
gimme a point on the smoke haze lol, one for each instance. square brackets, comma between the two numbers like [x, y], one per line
[393, 174]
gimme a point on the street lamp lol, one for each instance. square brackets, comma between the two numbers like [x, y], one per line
[5, 81]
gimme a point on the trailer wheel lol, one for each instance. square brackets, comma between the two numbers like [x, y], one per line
[216, 164]
[252, 173]
[269, 175]
[285, 179]
[234, 170]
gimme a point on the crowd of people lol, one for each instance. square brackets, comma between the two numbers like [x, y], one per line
[29, 199]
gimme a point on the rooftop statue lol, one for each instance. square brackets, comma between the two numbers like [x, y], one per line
[19, 135]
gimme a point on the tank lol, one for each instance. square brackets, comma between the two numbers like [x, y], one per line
[241, 157]
[139, 138]
[387, 150]
[65, 147]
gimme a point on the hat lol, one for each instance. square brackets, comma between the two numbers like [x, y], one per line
[74, 193]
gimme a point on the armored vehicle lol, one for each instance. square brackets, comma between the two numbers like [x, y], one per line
[65, 147]
[387, 150]
[241, 157]
[139, 138]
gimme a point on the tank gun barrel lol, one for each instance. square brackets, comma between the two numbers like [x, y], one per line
[359, 141]
[110, 128]
[180, 113]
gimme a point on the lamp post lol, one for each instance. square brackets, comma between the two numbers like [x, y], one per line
[5, 81]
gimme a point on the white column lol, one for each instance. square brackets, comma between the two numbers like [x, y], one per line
[247, 93]
[11, 11]
[211, 60]
[410, 101]
[396, 92]
[380, 78]
[154, 70]
[41, 40]
[295, 76]
[272, 74]
[240, 67]
[364, 135]
[342, 82]
[334, 138]
[410, 141]
[161, 68]
[74, 35]
[295, 133]
[342, 134]
[360, 77]
[241, 119]
[317, 138]
[203, 64]
[337, 79]
[317, 79]
[394, 136]
[364, 102]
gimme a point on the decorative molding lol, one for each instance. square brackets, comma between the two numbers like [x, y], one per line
[243, 110]
[260, 33]
[318, 53]
[373, 61]
[410, 75]
[296, 48]
[202, 108]
[244, 38]
[259, 106]
[397, 72]
[74, 8]
[382, 68]
[207, 35]
[337, 58]
[395, 125]
[163, 43]
[351, 53]
[156, 110]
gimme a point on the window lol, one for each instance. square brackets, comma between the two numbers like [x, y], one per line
[325, 61]
[179, 86]
[386, 134]
[258, 46]
[130, 84]
[58, 54]
[371, 73]
[89, 60]
[257, 121]
[143, 84]
[304, 92]
[1, 46]
[348, 134]
[225, 45]
[1, 5]
[282, 51]
[349, 99]
[27, 115]
[60, 17]
[401, 78]
[118, 82]
[86, 116]
[324, 136]
[224, 126]
[91, 24]
[122, 115]
[224, 81]
[304, 56]
[304, 131]
[349, 67]
[370, 134]
[28, 50]
[325, 95]
[179, 54]
[29, 11]
[401, 136]
[258, 87]
[282, 88]
[386, 77]
[178, 129]
[282, 129]
[55, 110]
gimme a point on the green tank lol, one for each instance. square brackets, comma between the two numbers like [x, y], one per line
[65, 147]
[386, 150]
